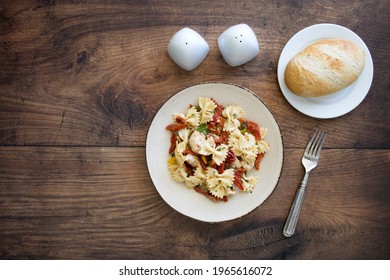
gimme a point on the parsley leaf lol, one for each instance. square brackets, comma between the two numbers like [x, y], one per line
[202, 128]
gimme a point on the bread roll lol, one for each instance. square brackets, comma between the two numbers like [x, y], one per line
[324, 67]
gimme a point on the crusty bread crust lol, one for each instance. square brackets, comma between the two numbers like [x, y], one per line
[324, 67]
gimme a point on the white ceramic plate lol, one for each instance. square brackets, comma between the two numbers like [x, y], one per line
[336, 104]
[188, 201]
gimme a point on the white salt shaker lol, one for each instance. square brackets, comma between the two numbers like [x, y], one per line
[238, 44]
[187, 48]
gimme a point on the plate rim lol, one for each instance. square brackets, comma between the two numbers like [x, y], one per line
[277, 179]
[299, 102]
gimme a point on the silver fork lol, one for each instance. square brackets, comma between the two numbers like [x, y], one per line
[309, 161]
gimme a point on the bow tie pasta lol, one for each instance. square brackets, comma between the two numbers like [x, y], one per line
[213, 149]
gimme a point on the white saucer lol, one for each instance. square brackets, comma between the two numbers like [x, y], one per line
[336, 104]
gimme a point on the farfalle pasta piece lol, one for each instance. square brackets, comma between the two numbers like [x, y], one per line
[240, 142]
[192, 181]
[218, 184]
[184, 134]
[248, 157]
[207, 107]
[263, 132]
[191, 117]
[232, 114]
[247, 141]
[225, 179]
[219, 153]
[250, 154]
[180, 147]
[208, 147]
[248, 182]
[200, 174]
[217, 191]
[263, 147]
[233, 141]
[178, 173]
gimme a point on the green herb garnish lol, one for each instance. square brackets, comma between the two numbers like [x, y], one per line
[202, 128]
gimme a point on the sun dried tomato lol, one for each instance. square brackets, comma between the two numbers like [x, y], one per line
[217, 115]
[221, 168]
[190, 152]
[231, 157]
[258, 160]
[222, 139]
[237, 178]
[189, 169]
[176, 126]
[173, 143]
[180, 120]
[179, 125]
[254, 129]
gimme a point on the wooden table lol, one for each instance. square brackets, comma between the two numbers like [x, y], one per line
[79, 86]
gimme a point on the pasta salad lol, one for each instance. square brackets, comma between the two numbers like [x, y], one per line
[213, 148]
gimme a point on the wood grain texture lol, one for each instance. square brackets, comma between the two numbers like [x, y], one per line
[96, 73]
[80, 82]
[103, 205]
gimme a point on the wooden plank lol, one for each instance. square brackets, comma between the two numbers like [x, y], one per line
[79, 86]
[96, 74]
[83, 203]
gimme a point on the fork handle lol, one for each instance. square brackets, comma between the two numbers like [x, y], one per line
[292, 219]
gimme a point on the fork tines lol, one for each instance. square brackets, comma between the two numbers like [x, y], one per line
[315, 144]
